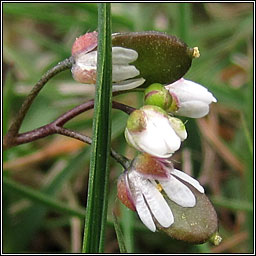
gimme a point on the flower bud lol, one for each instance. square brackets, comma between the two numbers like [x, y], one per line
[157, 95]
[84, 69]
[189, 99]
[150, 130]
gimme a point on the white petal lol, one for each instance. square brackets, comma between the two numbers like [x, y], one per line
[178, 127]
[167, 134]
[123, 72]
[188, 179]
[143, 211]
[159, 138]
[178, 192]
[194, 109]
[87, 60]
[128, 84]
[152, 143]
[188, 90]
[121, 55]
[130, 139]
[157, 204]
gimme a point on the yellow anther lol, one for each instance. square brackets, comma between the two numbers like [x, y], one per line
[159, 187]
[196, 53]
[215, 239]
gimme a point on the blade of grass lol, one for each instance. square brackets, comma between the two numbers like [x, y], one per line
[184, 21]
[119, 234]
[42, 198]
[95, 218]
[128, 228]
[232, 204]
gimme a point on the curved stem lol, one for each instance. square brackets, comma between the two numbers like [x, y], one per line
[54, 127]
[61, 66]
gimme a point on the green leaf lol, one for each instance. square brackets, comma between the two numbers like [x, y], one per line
[99, 166]
[162, 58]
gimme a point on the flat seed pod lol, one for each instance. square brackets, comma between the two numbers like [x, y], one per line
[162, 58]
[194, 225]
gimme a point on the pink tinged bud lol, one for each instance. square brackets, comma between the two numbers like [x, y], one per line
[124, 75]
[190, 99]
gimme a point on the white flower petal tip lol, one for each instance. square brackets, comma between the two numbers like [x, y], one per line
[144, 213]
[178, 192]
[188, 179]
[150, 130]
[123, 56]
[189, 98]
[157, 204]
[127, 84]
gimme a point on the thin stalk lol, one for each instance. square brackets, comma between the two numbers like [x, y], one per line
[55, 126]
[96, 213]
[61, 66]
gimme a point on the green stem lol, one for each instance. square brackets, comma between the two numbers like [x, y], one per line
[96, 213]
[184, 20]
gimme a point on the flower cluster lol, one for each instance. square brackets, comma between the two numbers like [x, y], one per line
[157, 134]
[153, 130]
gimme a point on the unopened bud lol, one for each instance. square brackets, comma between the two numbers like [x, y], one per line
[157, 95]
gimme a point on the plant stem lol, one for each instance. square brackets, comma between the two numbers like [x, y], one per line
[14, 129]
[54, 127]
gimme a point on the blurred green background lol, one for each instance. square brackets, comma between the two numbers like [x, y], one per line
[218, 151]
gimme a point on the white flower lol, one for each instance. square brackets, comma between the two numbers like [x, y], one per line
[141, 188]
[123, 74]
[151, 130]
[189, 98]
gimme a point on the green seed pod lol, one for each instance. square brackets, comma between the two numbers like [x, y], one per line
[197, 224]
[161, 59]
